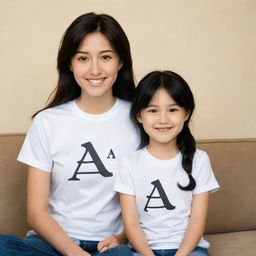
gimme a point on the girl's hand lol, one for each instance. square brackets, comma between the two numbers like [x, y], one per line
[108, 242]
[196, 225]
[86, 254]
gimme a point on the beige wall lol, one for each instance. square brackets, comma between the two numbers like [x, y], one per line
[211, 43]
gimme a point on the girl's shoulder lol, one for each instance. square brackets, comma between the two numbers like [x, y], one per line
[201, 159]
[200, 154]
[203, 173]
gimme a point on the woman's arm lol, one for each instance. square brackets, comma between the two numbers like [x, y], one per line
[132, 227]
[112, 241]
[196, 225]
[38, 188]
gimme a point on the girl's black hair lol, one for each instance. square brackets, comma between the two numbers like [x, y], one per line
[67, 88]
[179, 90]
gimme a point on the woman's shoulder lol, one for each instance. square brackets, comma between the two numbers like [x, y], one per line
[124, 103]
[55, 111]
[132, 157]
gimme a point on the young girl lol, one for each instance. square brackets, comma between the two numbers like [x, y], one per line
[164, 187]
[73, 145]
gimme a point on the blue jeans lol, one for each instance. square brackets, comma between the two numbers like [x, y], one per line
[199, 251]
[33, 245]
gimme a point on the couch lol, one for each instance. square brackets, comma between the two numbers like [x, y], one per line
[231, 223]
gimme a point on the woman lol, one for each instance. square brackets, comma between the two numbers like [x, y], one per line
[73, 144]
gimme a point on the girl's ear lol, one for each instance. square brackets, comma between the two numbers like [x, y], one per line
[187, 114]
[138, 117]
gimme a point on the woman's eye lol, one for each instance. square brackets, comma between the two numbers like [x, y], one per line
[105, 57]
[152, 110]
[82, 58]
[173, 109]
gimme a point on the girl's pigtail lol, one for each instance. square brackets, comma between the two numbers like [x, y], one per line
[187, 146]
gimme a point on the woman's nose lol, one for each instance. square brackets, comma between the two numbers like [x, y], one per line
[95, 68]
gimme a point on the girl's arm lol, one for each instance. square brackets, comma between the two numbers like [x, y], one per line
[132, 227]
[38, 188]
[196, 225]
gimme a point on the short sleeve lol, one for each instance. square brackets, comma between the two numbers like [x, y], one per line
[124, 180]
[203, 174]
[35, 150]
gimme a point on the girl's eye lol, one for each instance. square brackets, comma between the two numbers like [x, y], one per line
[106, 57]
[82, 58]
[152, 110]
[173, 109]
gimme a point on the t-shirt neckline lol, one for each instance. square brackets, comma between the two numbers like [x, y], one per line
[158, 161]
[89, 116]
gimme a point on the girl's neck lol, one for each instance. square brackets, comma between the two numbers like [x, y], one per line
[163, 151]
[95, 105]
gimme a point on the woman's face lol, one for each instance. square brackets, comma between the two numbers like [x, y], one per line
[95, 66]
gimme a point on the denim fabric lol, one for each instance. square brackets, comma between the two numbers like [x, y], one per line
[33, 245]
[199, 251]
[30, 246]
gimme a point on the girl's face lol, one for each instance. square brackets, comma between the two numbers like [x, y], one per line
[162, 119]
[95, 66]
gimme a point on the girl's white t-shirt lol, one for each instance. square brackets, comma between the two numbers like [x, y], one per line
[163, 208]
[80, 150]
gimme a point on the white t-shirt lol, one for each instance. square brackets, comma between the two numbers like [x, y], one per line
[81, 151]
[163, 208]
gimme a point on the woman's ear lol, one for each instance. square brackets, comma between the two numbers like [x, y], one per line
[120, 65]
[70, 67]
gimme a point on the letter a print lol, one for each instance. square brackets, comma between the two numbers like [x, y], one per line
[95, 160]
[166, 204]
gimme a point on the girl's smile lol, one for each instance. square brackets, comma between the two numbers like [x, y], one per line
[163, 129]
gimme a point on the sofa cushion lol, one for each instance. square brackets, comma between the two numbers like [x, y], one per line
[233, 207]
[12, 186]
[232, 244]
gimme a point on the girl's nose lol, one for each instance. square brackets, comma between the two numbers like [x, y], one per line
[95, 68]
[163, 117]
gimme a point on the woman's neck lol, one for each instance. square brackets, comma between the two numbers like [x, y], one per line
[95, 105]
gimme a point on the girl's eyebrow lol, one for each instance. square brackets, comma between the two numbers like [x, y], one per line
[151, 105]
[104, 51]
[170, 105]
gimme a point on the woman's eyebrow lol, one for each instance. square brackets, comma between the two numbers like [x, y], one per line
[103, 51]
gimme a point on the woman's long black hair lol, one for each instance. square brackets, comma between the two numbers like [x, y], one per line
[67, 88]
[179, 90]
